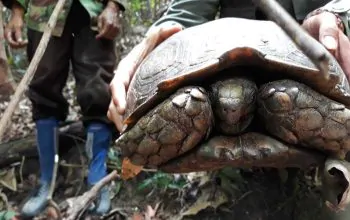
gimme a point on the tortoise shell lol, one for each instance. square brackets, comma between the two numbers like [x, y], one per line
[201, 51]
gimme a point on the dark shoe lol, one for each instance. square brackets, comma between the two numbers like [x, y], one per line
[37, 202]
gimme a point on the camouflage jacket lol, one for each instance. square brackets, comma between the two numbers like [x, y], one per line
[38, 12]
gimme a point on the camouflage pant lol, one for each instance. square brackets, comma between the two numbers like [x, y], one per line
[92, 62]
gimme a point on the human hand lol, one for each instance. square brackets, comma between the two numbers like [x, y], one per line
[325, 29]
[108, 22]
[127, 67]
[13, 30]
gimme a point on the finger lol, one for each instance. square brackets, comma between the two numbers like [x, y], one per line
[312, 26]
[110, 33]
[329, 31]
[116, 118]
[113, 32]
[99, 22]
[102, 28]
[344, 53]
[10, 39]
[118, 95]
[168, 31]
[18, 35]
[157, 35]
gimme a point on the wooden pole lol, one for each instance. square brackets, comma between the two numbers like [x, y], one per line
[311, 47]
[22, 86]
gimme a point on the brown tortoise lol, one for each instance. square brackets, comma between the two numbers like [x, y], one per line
[234, 92]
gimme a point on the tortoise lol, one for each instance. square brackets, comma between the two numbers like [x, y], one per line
[212, 96]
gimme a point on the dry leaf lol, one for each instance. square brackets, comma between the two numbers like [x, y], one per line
[8, 179]
[137, 216]
[205, 201]
[129, 170]
[150, 212]
[336, 183]
[4, 205]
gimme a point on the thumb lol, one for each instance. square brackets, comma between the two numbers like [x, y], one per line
[329, 31]
[166, 32]
[18, 35]
[157, 35]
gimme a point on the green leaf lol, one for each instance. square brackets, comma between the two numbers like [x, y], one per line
[7, 215]
[118, 186]
[159, 179]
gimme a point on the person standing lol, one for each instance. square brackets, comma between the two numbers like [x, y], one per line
[83, 37]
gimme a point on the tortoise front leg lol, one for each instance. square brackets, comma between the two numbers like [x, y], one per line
[298, 115]
[247, 150]
[170, 129]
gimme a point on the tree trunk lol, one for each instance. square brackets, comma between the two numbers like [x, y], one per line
[13, 151]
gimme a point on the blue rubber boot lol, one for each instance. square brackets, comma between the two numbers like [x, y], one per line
[46, 137]
[98, 140]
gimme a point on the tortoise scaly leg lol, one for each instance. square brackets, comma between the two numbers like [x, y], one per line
[298, 115]
[170, 129]
[248, 150]
[234, 103]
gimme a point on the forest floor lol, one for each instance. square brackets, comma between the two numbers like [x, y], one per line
[242, 194]
[259, 194]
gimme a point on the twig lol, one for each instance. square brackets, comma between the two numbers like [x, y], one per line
[118, 210]
[54, 177]
[314, 50]
[72, 165]
[82, 201]
[6, 117]
[21, 169]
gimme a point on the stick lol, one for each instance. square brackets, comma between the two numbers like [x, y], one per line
[81, 202]
[52, 202]
[6, 117]
[311, 47]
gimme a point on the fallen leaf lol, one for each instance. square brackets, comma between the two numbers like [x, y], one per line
[129, 170]
[8, 179]
[337, 184]
[137, 216]
[52, 213]
[205, 201]
[3, 201]
[150, 212]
